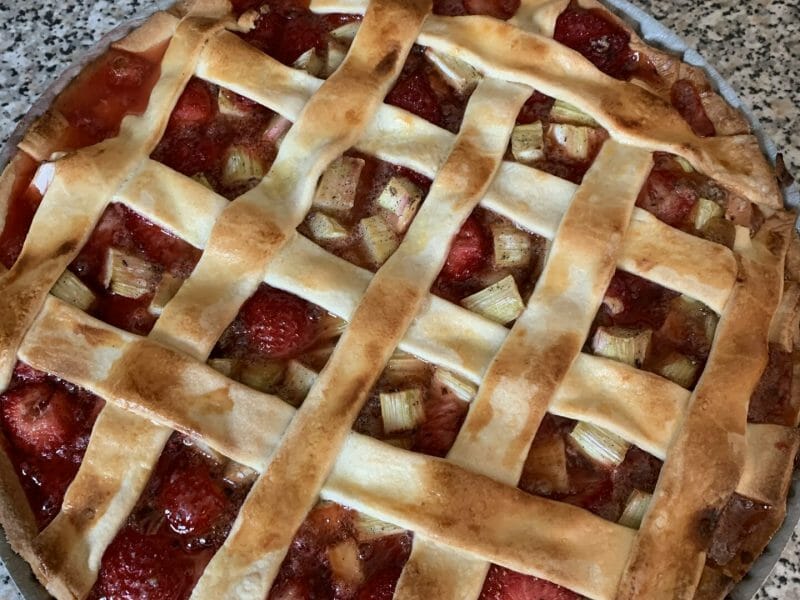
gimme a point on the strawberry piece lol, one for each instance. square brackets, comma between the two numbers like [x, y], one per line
[503, 584]
[299, 34]
[196, 104]
[499, 9]
[444, 414]
[636, 301]
[413, 93]
[277, 324]
[161, 247]
[388, 553]
[596, 37]
[685, 97]
[536, 108]
[137, 566]
[468, 253]
[39, 417]
[668, 195]
[192, 500]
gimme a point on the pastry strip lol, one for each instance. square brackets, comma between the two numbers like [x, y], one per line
[668, 558]
[542, 345]
[250, 557]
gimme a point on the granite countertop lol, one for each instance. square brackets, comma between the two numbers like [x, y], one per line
[755, 45]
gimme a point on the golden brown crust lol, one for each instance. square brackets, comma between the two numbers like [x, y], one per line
[687, 498]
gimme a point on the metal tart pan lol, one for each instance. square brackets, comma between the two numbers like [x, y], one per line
[652, 32]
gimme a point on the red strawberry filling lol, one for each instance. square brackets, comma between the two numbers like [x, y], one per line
[500, 9]
[338, 553]
[46, 424]
[504, 584]
[686, 99]
[179, 522]
[271, 324]
[772, 401]
[592, 33]
[131, 235]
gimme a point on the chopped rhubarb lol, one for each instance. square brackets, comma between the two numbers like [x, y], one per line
[46, 423]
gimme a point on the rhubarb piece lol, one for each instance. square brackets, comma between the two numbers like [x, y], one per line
[512, 247]
[527, 142]
[263, 376]
[499, 302]
[401, 411]
[573, 140]
[345, 564]
[346, 33]
[680, 369]
[71, 289]
[400, 199]
[378, 239]
[336, 192]
[242, 165]
[166, 290]
[297, 381]
[325, 228]
[635, 508]
[703, 211]
[563, 112]
[624, 345]
[129, 276]
[463, 390]
[599, 445]
[310, 62]
[460, 75]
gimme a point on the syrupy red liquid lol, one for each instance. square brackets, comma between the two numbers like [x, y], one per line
[595, 487]
[180, 521]
[504, 584]
[124, 229]
[771, 401]
[306, 570]
[115, 85]
[46, 424]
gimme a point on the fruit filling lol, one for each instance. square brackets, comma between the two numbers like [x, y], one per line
[46, 423]
[738, 535]
[222, 140]
[555, 137]
[23, 200]
[117, 84]
[416, 406]
[179, 522]
[362, 208]
[343, 554]
[492, 267]
[504, 584]
[499, 9]
[435, 87]
[591, 467]
[127, 270]
[289, 32]
[647, 326]
[277, 344]
[772, 400]
[681, 197]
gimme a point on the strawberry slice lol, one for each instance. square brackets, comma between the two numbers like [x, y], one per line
[413, 93]
[137, 566]
[503, 584]
[277, 324]
[468, 253]
[127, 71]
[39, 417]
[192, 500]
[444, 414]
[196, 104]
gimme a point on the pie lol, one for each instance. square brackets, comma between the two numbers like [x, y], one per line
[363, 300]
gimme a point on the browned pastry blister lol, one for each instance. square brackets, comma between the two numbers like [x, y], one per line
[465, 510]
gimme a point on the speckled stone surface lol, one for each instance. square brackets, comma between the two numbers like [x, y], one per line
[755, 44]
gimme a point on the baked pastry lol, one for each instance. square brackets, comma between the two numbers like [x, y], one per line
[483, 299]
